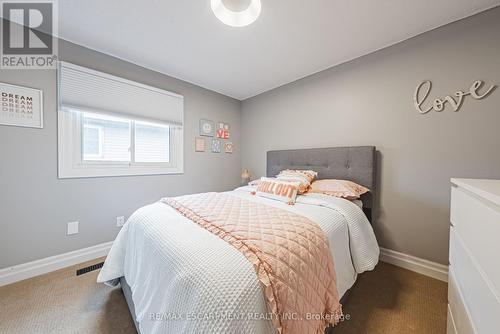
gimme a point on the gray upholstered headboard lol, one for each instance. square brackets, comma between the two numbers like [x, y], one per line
[355, 164]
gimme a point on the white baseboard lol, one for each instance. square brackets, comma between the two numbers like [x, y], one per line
[39, 267]
[418, 265]
[31, 269]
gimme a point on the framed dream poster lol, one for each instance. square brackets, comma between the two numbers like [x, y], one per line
[21, 106]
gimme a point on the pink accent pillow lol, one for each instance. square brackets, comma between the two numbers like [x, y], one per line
[310, 175]
[302, 188]
[304, 177]
[338, 188]
[284, 191]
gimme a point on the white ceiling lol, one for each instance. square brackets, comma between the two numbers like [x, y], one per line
[291, 39]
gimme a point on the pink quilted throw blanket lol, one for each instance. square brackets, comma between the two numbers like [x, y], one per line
[289, 252]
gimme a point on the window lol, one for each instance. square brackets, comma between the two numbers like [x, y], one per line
[152, 142]
[108, 138]
[92, 142]
[101, 135]
[105, 138]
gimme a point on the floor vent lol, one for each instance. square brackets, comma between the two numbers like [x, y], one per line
[89, 269]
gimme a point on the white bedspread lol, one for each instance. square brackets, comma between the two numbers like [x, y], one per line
[184, 279]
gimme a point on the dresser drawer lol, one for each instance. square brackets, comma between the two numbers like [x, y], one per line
[477, 221]
[450, 326]
[476, 291]
[459, 321]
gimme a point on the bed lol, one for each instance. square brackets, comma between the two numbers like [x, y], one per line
[180, 278]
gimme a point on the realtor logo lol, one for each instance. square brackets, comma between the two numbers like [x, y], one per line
[27, 35]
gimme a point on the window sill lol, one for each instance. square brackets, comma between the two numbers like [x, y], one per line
[86, 172]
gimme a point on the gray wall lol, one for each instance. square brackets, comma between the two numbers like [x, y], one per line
[35, 205]
[365, 102]
[369, 102]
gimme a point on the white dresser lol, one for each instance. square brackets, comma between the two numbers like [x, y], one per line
[474, 279]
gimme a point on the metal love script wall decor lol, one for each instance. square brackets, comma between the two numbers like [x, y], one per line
[456, 101]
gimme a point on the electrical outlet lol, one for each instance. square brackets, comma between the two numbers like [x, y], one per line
[72, 228]
[120, 221]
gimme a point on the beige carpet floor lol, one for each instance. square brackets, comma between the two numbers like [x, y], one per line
[389, 300]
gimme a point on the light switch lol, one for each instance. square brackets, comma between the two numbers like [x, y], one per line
[72, 228]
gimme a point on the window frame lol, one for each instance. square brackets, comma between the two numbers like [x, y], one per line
[72, 164]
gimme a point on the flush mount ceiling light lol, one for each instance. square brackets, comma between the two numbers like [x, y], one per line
[236, 13]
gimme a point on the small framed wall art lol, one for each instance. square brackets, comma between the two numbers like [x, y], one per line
[199, 144]
[216, 145]
[207, 128]
[21, 106]
[222, 130]
[228, 147]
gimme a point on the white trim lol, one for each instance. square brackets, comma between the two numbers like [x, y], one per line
[35, 268]
[418, 265]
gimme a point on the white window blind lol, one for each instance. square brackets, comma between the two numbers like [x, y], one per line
[86, 89]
